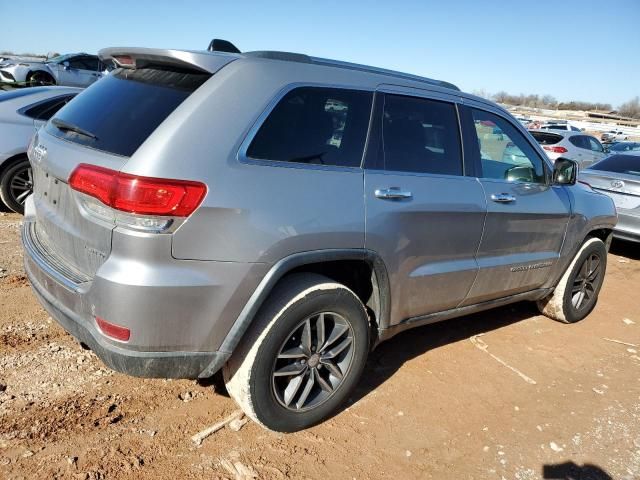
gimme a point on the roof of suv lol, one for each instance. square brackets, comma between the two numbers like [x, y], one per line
[198, 59]
[562, 133]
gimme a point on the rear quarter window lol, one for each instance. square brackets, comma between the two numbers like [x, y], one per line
[315, 125]
[121, 110]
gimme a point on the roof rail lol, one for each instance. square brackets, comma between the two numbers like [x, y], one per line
[383, 71]
[302, 58]
[276, 55]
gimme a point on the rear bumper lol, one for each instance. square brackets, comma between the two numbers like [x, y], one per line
[131, 362]
[176, 325]
[628, 227]
[137, 364]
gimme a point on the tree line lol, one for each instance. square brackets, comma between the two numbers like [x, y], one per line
[628, 109]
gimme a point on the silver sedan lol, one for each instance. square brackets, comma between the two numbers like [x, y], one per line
[618, 176]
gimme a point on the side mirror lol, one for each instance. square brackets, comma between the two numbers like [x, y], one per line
[565, 172]
[65, 65]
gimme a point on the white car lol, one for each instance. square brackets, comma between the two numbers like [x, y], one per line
[22, 112]
[578, 146]
[73, 70]
[614, 136]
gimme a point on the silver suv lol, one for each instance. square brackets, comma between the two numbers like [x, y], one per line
[277, 216]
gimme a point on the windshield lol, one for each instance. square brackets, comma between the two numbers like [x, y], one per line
[626, 164]
[624, 147]
[59, 58]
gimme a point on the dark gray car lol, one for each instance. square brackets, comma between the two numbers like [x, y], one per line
[278, 215]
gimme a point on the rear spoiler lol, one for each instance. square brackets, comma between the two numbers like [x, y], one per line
[206, 62]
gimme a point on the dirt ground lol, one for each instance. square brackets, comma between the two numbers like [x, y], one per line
[505, 394]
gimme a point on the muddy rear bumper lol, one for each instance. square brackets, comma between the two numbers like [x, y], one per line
[135, 363]
[56, 298]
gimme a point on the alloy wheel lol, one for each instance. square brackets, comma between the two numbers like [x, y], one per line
[313, 361]
[21, 184]
[585, 283]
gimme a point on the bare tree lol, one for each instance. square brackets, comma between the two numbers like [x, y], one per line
[501, 97]
[630, 108]
[481, 93]
[549, 101]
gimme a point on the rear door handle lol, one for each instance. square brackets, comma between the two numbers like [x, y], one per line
[392, 193]
[502, 197]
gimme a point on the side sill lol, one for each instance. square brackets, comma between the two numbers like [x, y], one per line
[387, 333]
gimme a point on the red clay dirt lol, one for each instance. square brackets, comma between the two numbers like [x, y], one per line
[530, 398]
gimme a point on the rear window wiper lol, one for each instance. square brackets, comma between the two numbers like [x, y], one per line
[70, 127]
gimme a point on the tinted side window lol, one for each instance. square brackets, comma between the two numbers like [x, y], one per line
[315, 125]
[77, 62]
[594, 145]
[420, 135]
[92, 63]
[505, 153]
[580, 141]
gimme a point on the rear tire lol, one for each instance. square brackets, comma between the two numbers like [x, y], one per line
[303, 355]
[16, 184]
[576, 294]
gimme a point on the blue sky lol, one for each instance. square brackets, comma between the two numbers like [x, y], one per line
[582, 50]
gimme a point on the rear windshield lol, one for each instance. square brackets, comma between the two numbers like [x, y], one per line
[627, 164]
[544, 138]
[118, 113]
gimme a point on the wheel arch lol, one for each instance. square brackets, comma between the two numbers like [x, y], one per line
[603, 233]
[12, 161]
[348, 266]
[40, 70]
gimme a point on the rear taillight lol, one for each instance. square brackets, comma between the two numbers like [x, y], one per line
[138, 195]
[555, 149]
[112, 330]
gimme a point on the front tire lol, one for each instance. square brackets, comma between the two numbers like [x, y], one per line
[16, 185]
[576, 294]
[38, 78]
[303, 355]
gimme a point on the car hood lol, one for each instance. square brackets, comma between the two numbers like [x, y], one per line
[15, 63]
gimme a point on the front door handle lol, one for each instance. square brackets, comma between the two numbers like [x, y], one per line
[392, 193]
[502, 197]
